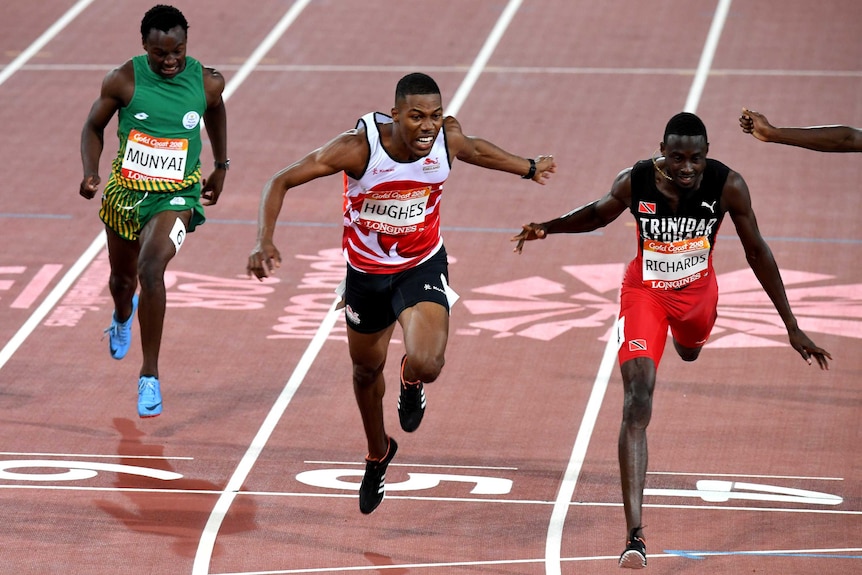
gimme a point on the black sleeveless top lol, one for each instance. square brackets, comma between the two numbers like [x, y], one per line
[675, 248]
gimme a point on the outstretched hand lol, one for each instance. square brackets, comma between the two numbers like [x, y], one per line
[807, 349]
[545, 166]
[754, 123]
[529, 232]
[263, 260]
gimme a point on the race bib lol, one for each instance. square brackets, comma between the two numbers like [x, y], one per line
[395, 212]
[672, 265]
[151, 158]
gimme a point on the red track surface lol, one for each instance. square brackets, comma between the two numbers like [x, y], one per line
[591, 82]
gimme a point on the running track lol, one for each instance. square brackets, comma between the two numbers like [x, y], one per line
[254, 465]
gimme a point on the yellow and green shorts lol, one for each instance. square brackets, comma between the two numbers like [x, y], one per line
[127, 211]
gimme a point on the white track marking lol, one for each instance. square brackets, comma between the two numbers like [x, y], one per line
[265, 47]
[707, 55]
[434, 567]
[554, 539]
[415, 465]
[482, 58]
[208, 537]
[53, 297]
[206, 544]
[748, 475]
[40, 42]
[541, 70]
[91, 455]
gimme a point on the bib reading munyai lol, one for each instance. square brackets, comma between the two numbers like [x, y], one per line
[391, 211]
[159, 130]
[675, 247]
[151, 158]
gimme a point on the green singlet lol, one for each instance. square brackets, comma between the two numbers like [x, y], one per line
[157, 167]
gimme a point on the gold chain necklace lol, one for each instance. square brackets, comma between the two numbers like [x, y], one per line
[659, 170]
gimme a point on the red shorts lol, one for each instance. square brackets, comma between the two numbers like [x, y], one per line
[646, 314]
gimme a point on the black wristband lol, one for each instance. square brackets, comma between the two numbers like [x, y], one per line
[529, 175]
[222, 165]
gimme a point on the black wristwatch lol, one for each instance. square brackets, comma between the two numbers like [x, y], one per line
[222, 165]
[529, 175]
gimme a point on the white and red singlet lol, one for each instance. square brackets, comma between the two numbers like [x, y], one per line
[391, 212]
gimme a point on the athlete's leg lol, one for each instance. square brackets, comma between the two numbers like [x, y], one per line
[426, 332]
[693, 317]
[157, 249]
[638, 384]
[368, 354]
[686, 353]
[123, 280]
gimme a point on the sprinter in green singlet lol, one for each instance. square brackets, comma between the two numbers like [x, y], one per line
[155, 194]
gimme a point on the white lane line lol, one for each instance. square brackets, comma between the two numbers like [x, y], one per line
[443, 466]
[553, 542]
[264, 47]
[561, 70]
[20, 485]
[748, 475]
[554, 539]
[51, 300]
[482, 58]
[40, 42]
[91, 455]
[707, 55]
[840, 553]
[206, 544]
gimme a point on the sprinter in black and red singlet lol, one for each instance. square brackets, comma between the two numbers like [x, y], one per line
[678, 201]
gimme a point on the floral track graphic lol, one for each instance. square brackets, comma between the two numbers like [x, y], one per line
[542, 309]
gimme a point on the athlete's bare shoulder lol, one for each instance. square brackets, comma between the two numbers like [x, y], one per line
[348, 151]
[212, 73]
[621, 189]
[214, 82]
[119, 83]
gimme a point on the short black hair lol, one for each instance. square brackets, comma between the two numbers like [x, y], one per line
[414, 84]
[685, 124]
[162, 17]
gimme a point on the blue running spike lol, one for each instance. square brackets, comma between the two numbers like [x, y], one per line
[120, 334]
[149, 397]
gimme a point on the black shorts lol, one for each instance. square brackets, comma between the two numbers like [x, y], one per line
[373, 302]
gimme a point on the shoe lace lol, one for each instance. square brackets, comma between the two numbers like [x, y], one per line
[147, 389]
[411, 395]
[111, 330]
[633, 536]
[116, 332]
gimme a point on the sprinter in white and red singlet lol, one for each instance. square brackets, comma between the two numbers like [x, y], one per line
[391, 210]
[395, 167]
